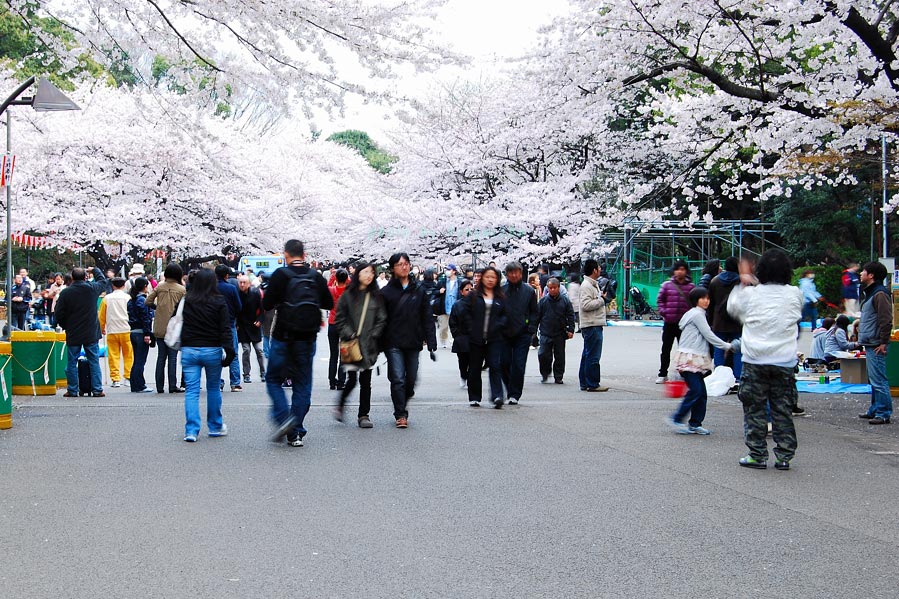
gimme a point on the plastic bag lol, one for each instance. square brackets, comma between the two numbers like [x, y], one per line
[720, 381]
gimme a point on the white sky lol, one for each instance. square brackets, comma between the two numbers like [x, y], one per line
[487, 30]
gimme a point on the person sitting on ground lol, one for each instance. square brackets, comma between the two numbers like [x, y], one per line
[816, 354]
[837, 338]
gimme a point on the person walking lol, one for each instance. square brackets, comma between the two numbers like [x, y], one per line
[593, 319]
[298, 294]
[249, 327]
[482, 319]
[205, 334]
[672, 302]
[574, 296]
[694, 363]
[449, 295]
[336, 375]
[555, 324]
[521, 315]
[410, 324]
[850, 285]
[810, 297]
[115, 325]
[232, 298]
[770, 313]
[360, 314]
[164, 299]
[76, 312]
[140, 319]
[875, 326]
[461, 346]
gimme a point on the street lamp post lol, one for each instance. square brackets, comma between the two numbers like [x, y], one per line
[47, 98]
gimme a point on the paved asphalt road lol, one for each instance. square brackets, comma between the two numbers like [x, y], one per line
[567, 495]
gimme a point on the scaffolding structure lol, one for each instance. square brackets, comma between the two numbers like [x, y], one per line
[643, 251]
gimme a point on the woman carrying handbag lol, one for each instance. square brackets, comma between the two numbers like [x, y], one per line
[360, 320]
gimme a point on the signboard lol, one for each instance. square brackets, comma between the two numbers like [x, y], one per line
[6, 169]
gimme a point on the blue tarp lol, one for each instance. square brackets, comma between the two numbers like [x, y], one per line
[834, 387]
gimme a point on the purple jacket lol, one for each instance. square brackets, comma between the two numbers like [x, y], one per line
[674, 300]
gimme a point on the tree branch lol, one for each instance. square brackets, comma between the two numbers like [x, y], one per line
[182, 38]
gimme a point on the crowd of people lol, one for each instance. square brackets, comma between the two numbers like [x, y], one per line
[740, 315]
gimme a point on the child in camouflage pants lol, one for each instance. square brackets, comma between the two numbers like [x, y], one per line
[769, 309]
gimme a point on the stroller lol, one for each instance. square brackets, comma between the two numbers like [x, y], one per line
[641, 307]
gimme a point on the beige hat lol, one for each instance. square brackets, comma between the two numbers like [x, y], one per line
[136, 269]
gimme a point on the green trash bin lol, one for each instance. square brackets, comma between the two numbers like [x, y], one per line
[61, 355]
[5, 385]
[33, 363]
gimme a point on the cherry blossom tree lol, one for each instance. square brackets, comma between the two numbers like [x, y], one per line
[125, 170]
[278, 53]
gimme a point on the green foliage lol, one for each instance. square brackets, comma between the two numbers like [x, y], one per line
[825, 224]
[828, 282]
[360, 141]
[26, 47]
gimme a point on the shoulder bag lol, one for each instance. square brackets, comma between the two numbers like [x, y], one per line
[173, 328]
[350, 351]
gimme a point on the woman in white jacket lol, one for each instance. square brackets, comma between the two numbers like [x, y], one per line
[694, 362]
[770, 314]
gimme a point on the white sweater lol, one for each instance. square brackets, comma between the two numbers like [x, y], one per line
[770, 315]
[117, 312]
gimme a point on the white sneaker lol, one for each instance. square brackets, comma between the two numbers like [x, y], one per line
[661, 380]
[116, 384]
[223, 432]
[463, 384]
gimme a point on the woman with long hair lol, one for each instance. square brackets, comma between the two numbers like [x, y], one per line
[361, 314]
[140, 319]
[205, 334]
[482, 319]
[461, 347]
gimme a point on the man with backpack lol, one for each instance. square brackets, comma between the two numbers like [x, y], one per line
[298, 294]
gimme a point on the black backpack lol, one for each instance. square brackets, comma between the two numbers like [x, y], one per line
[300, 313]
[609, 291]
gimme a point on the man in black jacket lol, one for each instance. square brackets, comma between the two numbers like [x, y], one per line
[555, 318]
[249, 326]
[521, 315]
[410, 323]
[291, 352]
[77, 314]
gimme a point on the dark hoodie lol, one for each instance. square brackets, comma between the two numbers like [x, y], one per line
[719, 291]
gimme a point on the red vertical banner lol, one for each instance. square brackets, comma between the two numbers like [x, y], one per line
[9, 164]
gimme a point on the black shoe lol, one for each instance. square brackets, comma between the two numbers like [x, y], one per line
[333, 386]
[782, 465]
[177, 390]
[294, 439]
[879, 420]
[498, 403]
[341, 386]
[544, 379]
[866, 416]
[797, 411]
[559, 382]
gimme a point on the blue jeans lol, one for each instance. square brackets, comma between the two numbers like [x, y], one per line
[515, 358]
[141, 350]
[881, 401]
[165, 354]
[737, 357]
[92, 353]
[588, 373]
[290, 360]
[402, 372]
[234, 366]
[266, 344]
[694, 402]
[810, 313]
[194, 360]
